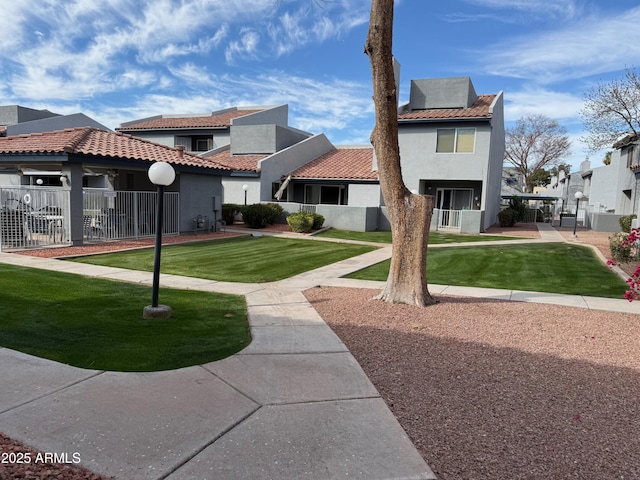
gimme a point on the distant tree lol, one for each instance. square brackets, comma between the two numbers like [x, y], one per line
[409, 213]
[560, 167]
[541, 178]
[534, 143]
[607, 158]
[612, 110]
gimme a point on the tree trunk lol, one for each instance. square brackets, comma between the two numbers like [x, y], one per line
[409, 214]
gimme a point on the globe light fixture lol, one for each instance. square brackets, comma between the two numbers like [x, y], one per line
[162, 175]
[578, 196]
[245, 187]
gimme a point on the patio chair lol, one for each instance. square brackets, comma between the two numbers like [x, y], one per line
[92, 228]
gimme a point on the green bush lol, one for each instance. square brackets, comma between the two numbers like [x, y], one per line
[625, 222]
[257, 215]
[300, 222]
[520, 208]
[318, 221]
[507, 218]
[229, 212]
[275, 214]
[620, 253]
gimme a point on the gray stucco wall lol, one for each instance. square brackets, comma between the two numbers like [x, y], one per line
[232, 191]
[471, 221]
[626, 181]
[343, 217]
[274, 167]
[196, 198]
[278, 115]
[263, 139]
[420, 160]
[490, 201]
[456, 92]
[12, 114]
[605, 222]
[422, 165]
[364, 195]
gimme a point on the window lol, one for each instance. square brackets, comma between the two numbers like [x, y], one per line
[458, 140]
[201, 144]
[325, 194]
[630, 156]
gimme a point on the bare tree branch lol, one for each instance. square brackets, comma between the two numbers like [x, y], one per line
[535, 143]
[612, 110]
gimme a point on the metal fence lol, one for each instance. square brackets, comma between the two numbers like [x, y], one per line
[113, 215]
[449, 220]
[33, 217]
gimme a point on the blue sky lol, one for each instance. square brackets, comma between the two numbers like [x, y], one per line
[118, 60]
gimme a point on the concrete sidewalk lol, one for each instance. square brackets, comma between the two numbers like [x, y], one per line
[293, 405]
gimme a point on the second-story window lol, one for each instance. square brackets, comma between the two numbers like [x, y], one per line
[456, 140]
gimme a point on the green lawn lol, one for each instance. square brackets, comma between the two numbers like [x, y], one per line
[434, 237]
[97, 324]
[246, 259]
[551, 267]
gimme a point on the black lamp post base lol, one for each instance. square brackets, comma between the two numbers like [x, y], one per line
[161, 311]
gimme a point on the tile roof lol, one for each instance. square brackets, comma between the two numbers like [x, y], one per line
[480, 109]
[247, 163]
[91, 141]
[210, 121]
[340, 164]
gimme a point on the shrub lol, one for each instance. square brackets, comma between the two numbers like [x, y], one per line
[519, 207]
[257, 215]
[625, 222]
[622, 251]
[229, 212]
[275, 214]
[301, 221]
[507, 218]
[318, 221]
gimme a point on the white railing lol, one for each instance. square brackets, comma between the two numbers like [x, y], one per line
[448, 219]
[33, 217]
[113, 215]
[308, 208]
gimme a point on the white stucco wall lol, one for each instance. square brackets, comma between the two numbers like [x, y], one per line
[602, 193]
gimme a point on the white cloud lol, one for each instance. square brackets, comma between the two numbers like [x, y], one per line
[244, 47]
[542, 8]
[583, 48]
[13, 24]
[159, 56]
[535, 100]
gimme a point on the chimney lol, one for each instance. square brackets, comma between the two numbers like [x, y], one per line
[180, 149]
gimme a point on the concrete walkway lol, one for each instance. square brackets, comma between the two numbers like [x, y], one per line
[293, 405]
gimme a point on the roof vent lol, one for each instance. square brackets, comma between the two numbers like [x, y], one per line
[180, 149]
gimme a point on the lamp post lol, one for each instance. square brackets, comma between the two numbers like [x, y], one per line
[245, 187]
[578, 196]
[162, 175]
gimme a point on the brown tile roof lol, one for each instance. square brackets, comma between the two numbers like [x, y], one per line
[247, 163]
[480, 109]
[340, 164]
[211, 121]
[91, 141]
